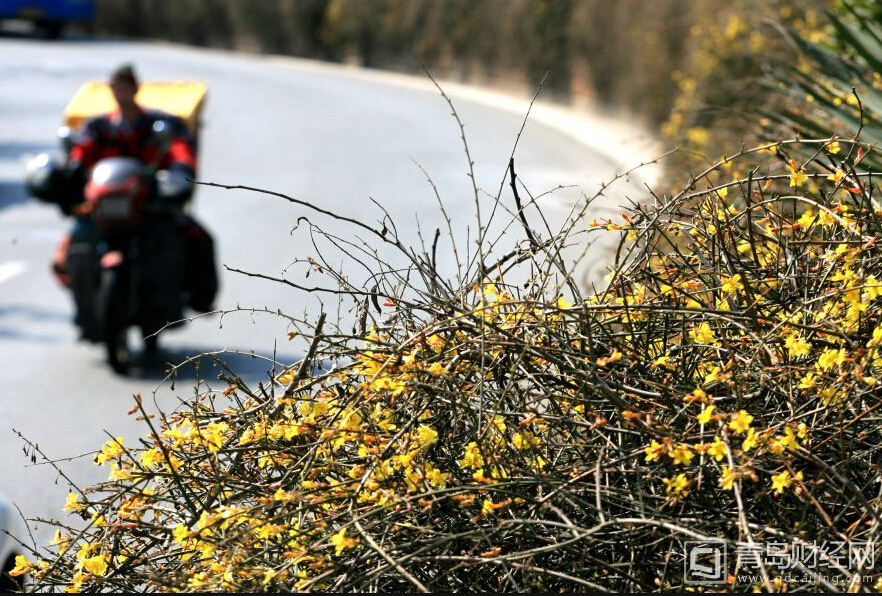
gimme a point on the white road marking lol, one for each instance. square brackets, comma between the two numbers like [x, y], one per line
[10, 270]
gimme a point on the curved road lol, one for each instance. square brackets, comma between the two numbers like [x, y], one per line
[331, 135]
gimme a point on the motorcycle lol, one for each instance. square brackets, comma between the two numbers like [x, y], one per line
[127, 260]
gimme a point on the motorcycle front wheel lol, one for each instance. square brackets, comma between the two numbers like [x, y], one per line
[113, 304]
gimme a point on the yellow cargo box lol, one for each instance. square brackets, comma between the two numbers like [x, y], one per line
[184, 99]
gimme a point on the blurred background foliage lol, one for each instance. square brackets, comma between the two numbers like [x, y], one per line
[708, 76]
[835, 87]
[620, 53]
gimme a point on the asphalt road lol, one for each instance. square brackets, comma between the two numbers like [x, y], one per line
[333, 136]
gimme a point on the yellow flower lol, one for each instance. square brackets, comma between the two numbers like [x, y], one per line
[784, 480]
[437, 369]
[836, 177]
[342, 542]
[703, 334]
[76, 583]
[796, 346]
[96, 565]
[395, 386]
[713, 375]
[22, 566]
[706, 415]
[525, 440]
[833, 147]
[498, 423]
[831, 396]
[769, 148]
[436, 477]
[269, 575]
[847, 276]
[62, 541]
[268, 531]
[681, 454]
[789, 439]
[426, 436]
[873, 288]
[180, 533]
[174, 462]
[563, 303]
[728, 478]
[808, 381]
[750, 441]
[678, 486]
[112, 450]
[488, 506]
[877, 337]
[662, 361]
[654, 451]
[733, 284]
[405, 460]
[830, 358]
[179, 434]
[151, 457]
[86, 550]
[98, 519]
[698, 395]
[214, 435]
[72, 503]
[718, 449]
[698, 136]
[798, 176]
[472, 457]
[807, 219]
[283, 496]
[612, 358]
[740, 422]
[825, 218]
[118, 473]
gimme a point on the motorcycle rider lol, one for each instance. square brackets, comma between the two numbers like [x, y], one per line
[128, 132]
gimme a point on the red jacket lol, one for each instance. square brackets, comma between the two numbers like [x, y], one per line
[109, 136]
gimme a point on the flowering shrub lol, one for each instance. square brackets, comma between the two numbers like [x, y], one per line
[502, 436]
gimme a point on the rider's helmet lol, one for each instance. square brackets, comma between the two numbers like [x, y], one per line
[43, 177]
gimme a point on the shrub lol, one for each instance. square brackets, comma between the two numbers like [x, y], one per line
[499, 431]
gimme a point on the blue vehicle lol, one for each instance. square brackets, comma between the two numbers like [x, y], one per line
[49, 16]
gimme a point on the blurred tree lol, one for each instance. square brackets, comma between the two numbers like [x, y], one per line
[629, 53]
